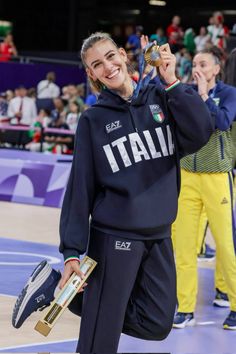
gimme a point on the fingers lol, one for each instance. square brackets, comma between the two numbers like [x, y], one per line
[144, 41]
[70, 267]
[65, 276]
[198, 76]
[195, 76]
[83, 287]
[167, 57]
[165, 48]
[167, 60]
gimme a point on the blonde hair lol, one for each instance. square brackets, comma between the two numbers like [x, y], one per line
[89, 43]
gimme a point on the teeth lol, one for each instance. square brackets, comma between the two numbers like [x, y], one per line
[113, 74]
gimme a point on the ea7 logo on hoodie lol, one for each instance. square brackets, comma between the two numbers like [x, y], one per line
[113, 126]
[157, 113]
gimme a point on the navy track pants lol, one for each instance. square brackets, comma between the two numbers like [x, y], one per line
[132, 290]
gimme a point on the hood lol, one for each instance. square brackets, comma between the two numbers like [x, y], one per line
[108, 98]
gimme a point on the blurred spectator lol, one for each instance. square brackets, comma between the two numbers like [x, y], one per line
[159, 36]
[73, 95]
[218, 31]
[9, 95]
[73, 115]
[3, 106]
[65, 93]
[133, 41]
[175, 34]
[22, 108]
[210, 21]
[59, 143]
[81, 91]
[202, 39]
[7, 48]
[59, 108]
[185, 67]
[32, 93]
[189, 40]
[47, 88]
[44, 117]
[91, 98]
[42, 121]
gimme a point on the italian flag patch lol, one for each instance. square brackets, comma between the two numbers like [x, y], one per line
[157, 113]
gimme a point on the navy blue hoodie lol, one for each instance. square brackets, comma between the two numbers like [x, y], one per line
[125, 173]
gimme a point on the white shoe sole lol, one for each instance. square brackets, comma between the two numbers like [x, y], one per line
[221, 303]
[32, 287]
[199, 259]
[184, 324]
[229, 328]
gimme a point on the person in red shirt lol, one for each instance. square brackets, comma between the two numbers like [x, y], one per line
[7, 48]
[175, 34]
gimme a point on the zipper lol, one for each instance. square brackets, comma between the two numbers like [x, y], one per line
[195, 162]
[221, 147]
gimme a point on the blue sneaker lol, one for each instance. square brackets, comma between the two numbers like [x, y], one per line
[36, 294]
[221, 299]
[230, 322]
[207, 255]
[183, 319]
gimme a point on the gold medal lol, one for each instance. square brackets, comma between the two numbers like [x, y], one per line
[152, 56]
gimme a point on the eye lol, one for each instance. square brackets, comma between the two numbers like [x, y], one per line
[96, 65]
[111, 55]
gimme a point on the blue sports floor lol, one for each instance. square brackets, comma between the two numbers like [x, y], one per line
[18, 259]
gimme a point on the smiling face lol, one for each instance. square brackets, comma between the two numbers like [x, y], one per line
[206, 64]
[107, 64]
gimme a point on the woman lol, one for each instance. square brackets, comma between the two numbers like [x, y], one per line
[202, 40]
[207, 182]
[125, 177]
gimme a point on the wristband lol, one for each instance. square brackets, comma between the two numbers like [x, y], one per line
[69, 259]
[172, 85]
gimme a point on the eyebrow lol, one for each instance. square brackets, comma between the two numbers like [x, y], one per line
[97, 60]
[201, 61]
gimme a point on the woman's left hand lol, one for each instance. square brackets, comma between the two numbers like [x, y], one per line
[168, 66]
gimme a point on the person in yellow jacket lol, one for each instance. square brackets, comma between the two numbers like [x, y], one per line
[207, 182]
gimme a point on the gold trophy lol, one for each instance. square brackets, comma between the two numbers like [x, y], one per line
[65, 296]
[152, 56]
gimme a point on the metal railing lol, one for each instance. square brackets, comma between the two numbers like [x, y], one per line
[5, 126]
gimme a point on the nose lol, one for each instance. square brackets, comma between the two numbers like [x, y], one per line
[108, 66]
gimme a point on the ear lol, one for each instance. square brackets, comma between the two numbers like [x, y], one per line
[123, 54]
[91, 74]
[217, 69]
